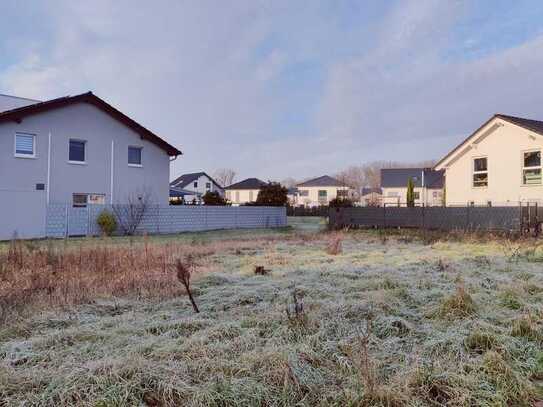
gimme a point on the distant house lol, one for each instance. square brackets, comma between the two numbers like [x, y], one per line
[371, 196]
[428, 185]
[320, 191]
[193, 186]
[77, 150]
[244, 191]
[292, 195]
[498, 164]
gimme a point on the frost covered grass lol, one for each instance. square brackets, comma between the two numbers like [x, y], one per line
[359, 318]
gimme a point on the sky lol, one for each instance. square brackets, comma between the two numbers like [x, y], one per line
[280, 88]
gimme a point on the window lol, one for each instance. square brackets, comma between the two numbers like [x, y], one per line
[237, 196]
[82, 200]
[208, 185]
[134, 156]
[250, 196]
[531, 170]
[392, 194]
[480, 172]
[323, 195]
[304, 193]
[416, 194]
[77, 151]
[25, 145]
[79, 200]
[195, 184]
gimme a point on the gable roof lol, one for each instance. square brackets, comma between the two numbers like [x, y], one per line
[8, 102]
[183, 180]
[529, 124]
[19, 113]
[369, 190]
[398, 177]
[249, 183]
[324, 181]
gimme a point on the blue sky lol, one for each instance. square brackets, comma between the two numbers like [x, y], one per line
[279, 89]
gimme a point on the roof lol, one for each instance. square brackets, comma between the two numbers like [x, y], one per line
[181, 193]
[533, 125]
[183, 180]
[398, 177]
[8, 102]
[324, 181]
[292, 191]
[249, 183]
[19, 113]
[369, 190]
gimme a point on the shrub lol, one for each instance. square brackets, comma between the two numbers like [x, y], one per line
[107, 222]
[272, 194]
[341, 203]
[214, 199]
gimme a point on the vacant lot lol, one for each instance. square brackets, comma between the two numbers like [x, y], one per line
[373, 319]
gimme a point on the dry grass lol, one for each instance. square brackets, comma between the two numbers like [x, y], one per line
[107, 322]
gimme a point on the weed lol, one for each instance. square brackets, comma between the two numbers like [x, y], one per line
[480, 341]
[458, 305]
[335, 245]
[295, 310]
[184, 272]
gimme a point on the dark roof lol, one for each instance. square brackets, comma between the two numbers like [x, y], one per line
[181, 193]
[368, 190]
[185, 179]
[534, 125]
[292, 191]
[18, 114]
[324, 181]
[249, 183]
[398, 177]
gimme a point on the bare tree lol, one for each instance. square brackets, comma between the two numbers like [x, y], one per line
[289, 182]
[225, 176]
[130, 215]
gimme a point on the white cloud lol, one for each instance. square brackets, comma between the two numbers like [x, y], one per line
[209, 77]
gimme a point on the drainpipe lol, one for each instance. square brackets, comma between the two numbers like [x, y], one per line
[48, 195]
[112, 171]
[423, 189]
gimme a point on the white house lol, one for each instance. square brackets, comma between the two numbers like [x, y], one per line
[78, 150]
[194, 185]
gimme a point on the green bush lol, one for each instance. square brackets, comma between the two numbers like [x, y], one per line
[214, 199]
[107, 222]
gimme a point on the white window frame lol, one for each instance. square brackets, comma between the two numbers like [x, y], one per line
[84, 162]
[140, 165]
[473, 172]
[34, 147]
[523, 168]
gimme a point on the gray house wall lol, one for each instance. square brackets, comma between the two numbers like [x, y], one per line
[22, 206]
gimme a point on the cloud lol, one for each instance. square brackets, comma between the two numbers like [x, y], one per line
[276, 89]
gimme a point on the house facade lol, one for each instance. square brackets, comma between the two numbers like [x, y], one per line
[428, 186]
[320, 191]
[244, 191]
[77, 150]
[499, 164]
[371, 196]
[195, 185]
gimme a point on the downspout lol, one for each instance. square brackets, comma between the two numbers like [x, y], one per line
[48, 195]
[423, 189]
[112, 171]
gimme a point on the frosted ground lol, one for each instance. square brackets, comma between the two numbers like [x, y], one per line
[389, 319]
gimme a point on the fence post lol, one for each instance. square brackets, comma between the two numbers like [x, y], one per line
[88, 220]
[67, 220]
[467, 218]
[384, 215]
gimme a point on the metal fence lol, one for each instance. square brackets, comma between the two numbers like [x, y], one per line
[63, 220]
[469, 218]
[321, 211]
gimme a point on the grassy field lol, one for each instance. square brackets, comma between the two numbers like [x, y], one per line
[355, 318]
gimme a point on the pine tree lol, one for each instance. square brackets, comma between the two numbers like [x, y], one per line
[410, 193]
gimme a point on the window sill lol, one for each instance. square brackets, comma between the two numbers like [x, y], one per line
[531, 185]
[28, 157]
[77, 162]
[135, 165]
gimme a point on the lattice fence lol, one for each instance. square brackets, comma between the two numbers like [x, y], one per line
[63, 220]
